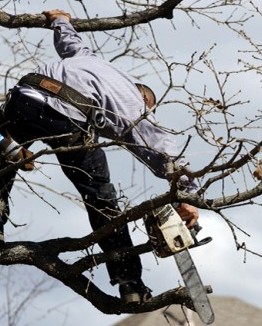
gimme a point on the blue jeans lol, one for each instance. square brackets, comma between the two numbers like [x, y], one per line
[88, 170]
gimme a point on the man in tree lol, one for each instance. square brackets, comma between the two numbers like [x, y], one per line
[55, 104]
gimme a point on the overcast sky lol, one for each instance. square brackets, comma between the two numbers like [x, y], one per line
[219, 264]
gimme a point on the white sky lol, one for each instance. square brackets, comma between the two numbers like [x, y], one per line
[219, 264]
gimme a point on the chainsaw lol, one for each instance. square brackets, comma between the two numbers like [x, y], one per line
[169, 236]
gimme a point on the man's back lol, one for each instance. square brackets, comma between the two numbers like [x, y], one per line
[110, 88]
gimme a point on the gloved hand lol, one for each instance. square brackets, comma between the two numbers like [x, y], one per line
[51, 15]
[15, 153]
[22, 154]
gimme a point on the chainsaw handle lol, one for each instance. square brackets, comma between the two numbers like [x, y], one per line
[201, 242]
[194, 231]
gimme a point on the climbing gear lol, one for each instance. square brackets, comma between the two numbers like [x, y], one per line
[95, 116]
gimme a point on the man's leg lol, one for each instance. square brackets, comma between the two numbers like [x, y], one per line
[92, 180]
[30, 119]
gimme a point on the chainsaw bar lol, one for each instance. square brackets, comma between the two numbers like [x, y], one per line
[170, 236]
[195, 286]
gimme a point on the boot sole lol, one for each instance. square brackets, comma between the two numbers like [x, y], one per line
[131, 298]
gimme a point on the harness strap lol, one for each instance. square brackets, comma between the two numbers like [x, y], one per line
[59, 89]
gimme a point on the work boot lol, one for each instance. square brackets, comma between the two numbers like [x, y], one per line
[2, 239]
[134, 292]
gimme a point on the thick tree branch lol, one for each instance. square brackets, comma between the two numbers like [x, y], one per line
[38, 254]
[96, 24]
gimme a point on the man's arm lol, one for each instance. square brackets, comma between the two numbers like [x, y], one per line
[66, 40]
[156, 149]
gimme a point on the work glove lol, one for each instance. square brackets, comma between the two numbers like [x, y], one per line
[14, 153]
[22, 154]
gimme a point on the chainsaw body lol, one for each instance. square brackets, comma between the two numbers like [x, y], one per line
[167, 232]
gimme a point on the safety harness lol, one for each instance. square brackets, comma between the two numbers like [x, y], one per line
[95, 115]
[59, 89]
